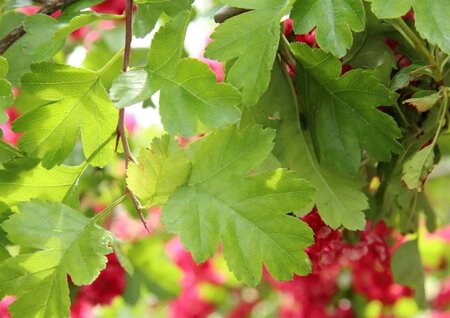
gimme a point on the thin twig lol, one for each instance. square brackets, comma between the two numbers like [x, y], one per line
[49, 7]
[228, 12]
[121, 124]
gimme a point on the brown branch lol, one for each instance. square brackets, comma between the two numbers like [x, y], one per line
[121, 134]
[49, 7]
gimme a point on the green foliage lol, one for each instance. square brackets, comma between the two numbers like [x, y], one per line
[338, 197]
[60, 242]
[24, 179]
[335, 21]
[78, 102]
[6, 96]
[341, 111]
[220, 202]
[431, 17]
[161, 170]
[250, 41]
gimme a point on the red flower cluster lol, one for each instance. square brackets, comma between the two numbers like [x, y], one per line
[109, 284]
[9, 135]
[189, 303]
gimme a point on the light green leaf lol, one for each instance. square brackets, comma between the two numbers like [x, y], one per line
[161, 170]
[248, 214]
[24, 179]
[38, 41]
[3, 67]
[192, 102]
[338, 198]
[66, 27]
[335, 20]
[149, 11]
[65, 243]
[78, 102]
[159, 273]
[251, 41]
[390, 9]
[8, 152]
[407, 269]
[342, 110]
[431, 17]
[418, 167]
[130, 88]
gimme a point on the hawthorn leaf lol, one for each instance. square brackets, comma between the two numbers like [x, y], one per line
[191, 100]
[77, 102]
[423, 100]
[64, 243]
[6, 96]
[161, 170]
[338, 198]
[251, 41]
[149, 11]
[248, 214]
[8, 152]
[417, 168]
[38, 41]
[407, 269]
[431, 17]
[335, 20]
[24, 179]
[342, 110]
[130, 88]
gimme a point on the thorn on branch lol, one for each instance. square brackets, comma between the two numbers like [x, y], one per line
[228, 12]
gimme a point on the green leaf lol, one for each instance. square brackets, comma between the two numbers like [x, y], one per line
[407, 269]
[3, 67]
[8, 152]
[38, 41]
[66, 27]
[159, 273]
[251, 40]
[431, 17]
[78, 102]
[149, 11]
[65, 243]
[342, 110]
[161, 170]
[335, 21]
[248, 214]
[24, 179]
[338, 198]
[191, 101]
[418, 167]
[390, 9]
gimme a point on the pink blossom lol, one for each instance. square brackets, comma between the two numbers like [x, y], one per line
[4, 304]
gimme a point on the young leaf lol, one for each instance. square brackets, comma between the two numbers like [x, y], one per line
[342, 111]
[161, 170]
[251, 40]
[418, 167]
[64, 243]
[335, 21]
[221, 202]
[8, 152]
[431, 17]
[24, 179]
[77, 102]
[338, 197]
